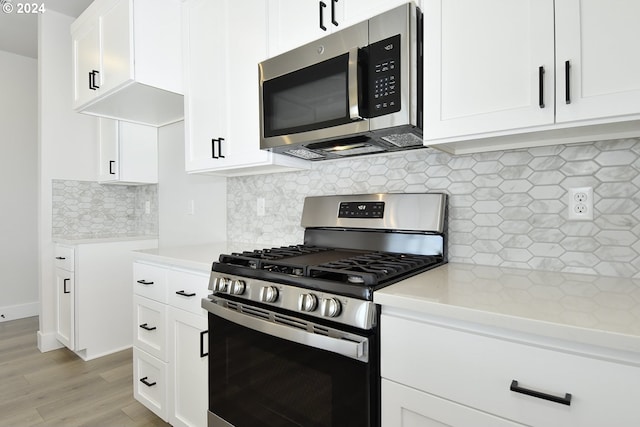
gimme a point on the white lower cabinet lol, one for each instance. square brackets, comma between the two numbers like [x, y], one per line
[150, 382]
[457, 377]
[171, 343]
[65, 324]
[92, 280]
[188, 351]
[404, 406]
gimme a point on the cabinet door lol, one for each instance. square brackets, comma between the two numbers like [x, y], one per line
[117, 42]
[87, 63]
[293, 23]
[65, 311]
[483, 65]
[205, 88]
[407, 407]
[108, 141]
[138, 147]
[359, 10]
[221, 96]
[188, 349]
[597, 54]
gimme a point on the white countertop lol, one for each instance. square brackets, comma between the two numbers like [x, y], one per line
[585, 309]
[75, 240]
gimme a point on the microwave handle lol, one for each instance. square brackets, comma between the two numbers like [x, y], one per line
[354, 109]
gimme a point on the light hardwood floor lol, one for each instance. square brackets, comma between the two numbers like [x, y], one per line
[59, 389]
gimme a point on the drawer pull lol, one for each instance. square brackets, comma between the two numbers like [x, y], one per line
[146, 327]
[566, 400]
[202, 352]
[144, 282]
[60, 257]
[184, 294]
[147, 383]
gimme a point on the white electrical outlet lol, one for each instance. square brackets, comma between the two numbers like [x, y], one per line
[580, 204]
[260, 206]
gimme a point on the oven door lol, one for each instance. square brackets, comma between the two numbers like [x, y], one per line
[266, 369]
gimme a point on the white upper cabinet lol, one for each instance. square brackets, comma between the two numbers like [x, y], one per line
[127, 61]
[488, 65]
[221, 88]
[514, 73]
[355, 11]
[598, 54]
[293, 23]
[128, 153]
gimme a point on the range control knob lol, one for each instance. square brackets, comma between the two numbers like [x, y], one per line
[307, 302]
[237, 287]
[268, 294]
[219, 284]
[330, 307]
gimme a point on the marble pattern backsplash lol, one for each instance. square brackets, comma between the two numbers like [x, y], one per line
[506, 208]
[84, 209]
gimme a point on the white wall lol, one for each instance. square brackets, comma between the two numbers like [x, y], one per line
[18, 187]
[176, 191]
[68, 148]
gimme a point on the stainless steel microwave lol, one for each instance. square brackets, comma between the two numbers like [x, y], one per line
[356, 91]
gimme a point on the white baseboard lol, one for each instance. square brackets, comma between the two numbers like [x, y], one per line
[20, 311]
[48, 342]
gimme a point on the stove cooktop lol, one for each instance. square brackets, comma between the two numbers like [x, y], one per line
[346, 272]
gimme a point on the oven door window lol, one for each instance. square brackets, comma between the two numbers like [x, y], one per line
[260, 380]
[312, 98]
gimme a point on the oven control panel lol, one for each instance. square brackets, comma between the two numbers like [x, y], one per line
[341, 309]
[361, 210]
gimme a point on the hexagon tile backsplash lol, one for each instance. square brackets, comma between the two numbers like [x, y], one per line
[506, 208]
[84, 209]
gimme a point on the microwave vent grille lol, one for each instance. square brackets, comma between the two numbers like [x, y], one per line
[403, 139]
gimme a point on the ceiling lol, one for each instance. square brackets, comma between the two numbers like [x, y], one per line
[19, 32]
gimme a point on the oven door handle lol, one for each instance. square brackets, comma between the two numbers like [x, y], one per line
[354, 349]
[354, 108]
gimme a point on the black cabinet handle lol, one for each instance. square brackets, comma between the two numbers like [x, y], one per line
[541, 87]
[111, 163]
[213, 148]
[202, 353]
[220, 148]
[321, 13]
[60, 257]
[566, 400]
[147, 383]
[333, 12]
[92, 80]
[144, 282]
[146, 327]
[567, 82]
[64, 286]
[184, 294]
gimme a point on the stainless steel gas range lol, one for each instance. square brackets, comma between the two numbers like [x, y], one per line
[293, 331]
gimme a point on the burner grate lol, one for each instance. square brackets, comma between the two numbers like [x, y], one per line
[371, 269]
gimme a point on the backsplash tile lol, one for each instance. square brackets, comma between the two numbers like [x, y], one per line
[506, 208]
[83, 209]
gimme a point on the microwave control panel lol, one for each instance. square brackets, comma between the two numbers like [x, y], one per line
[384, 76]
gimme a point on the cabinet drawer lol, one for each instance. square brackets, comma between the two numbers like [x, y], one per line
[64, 257]
[150, 281]
[477, 371]
[186, 289]
[407, 407]
[150, 382]
[151, 329]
